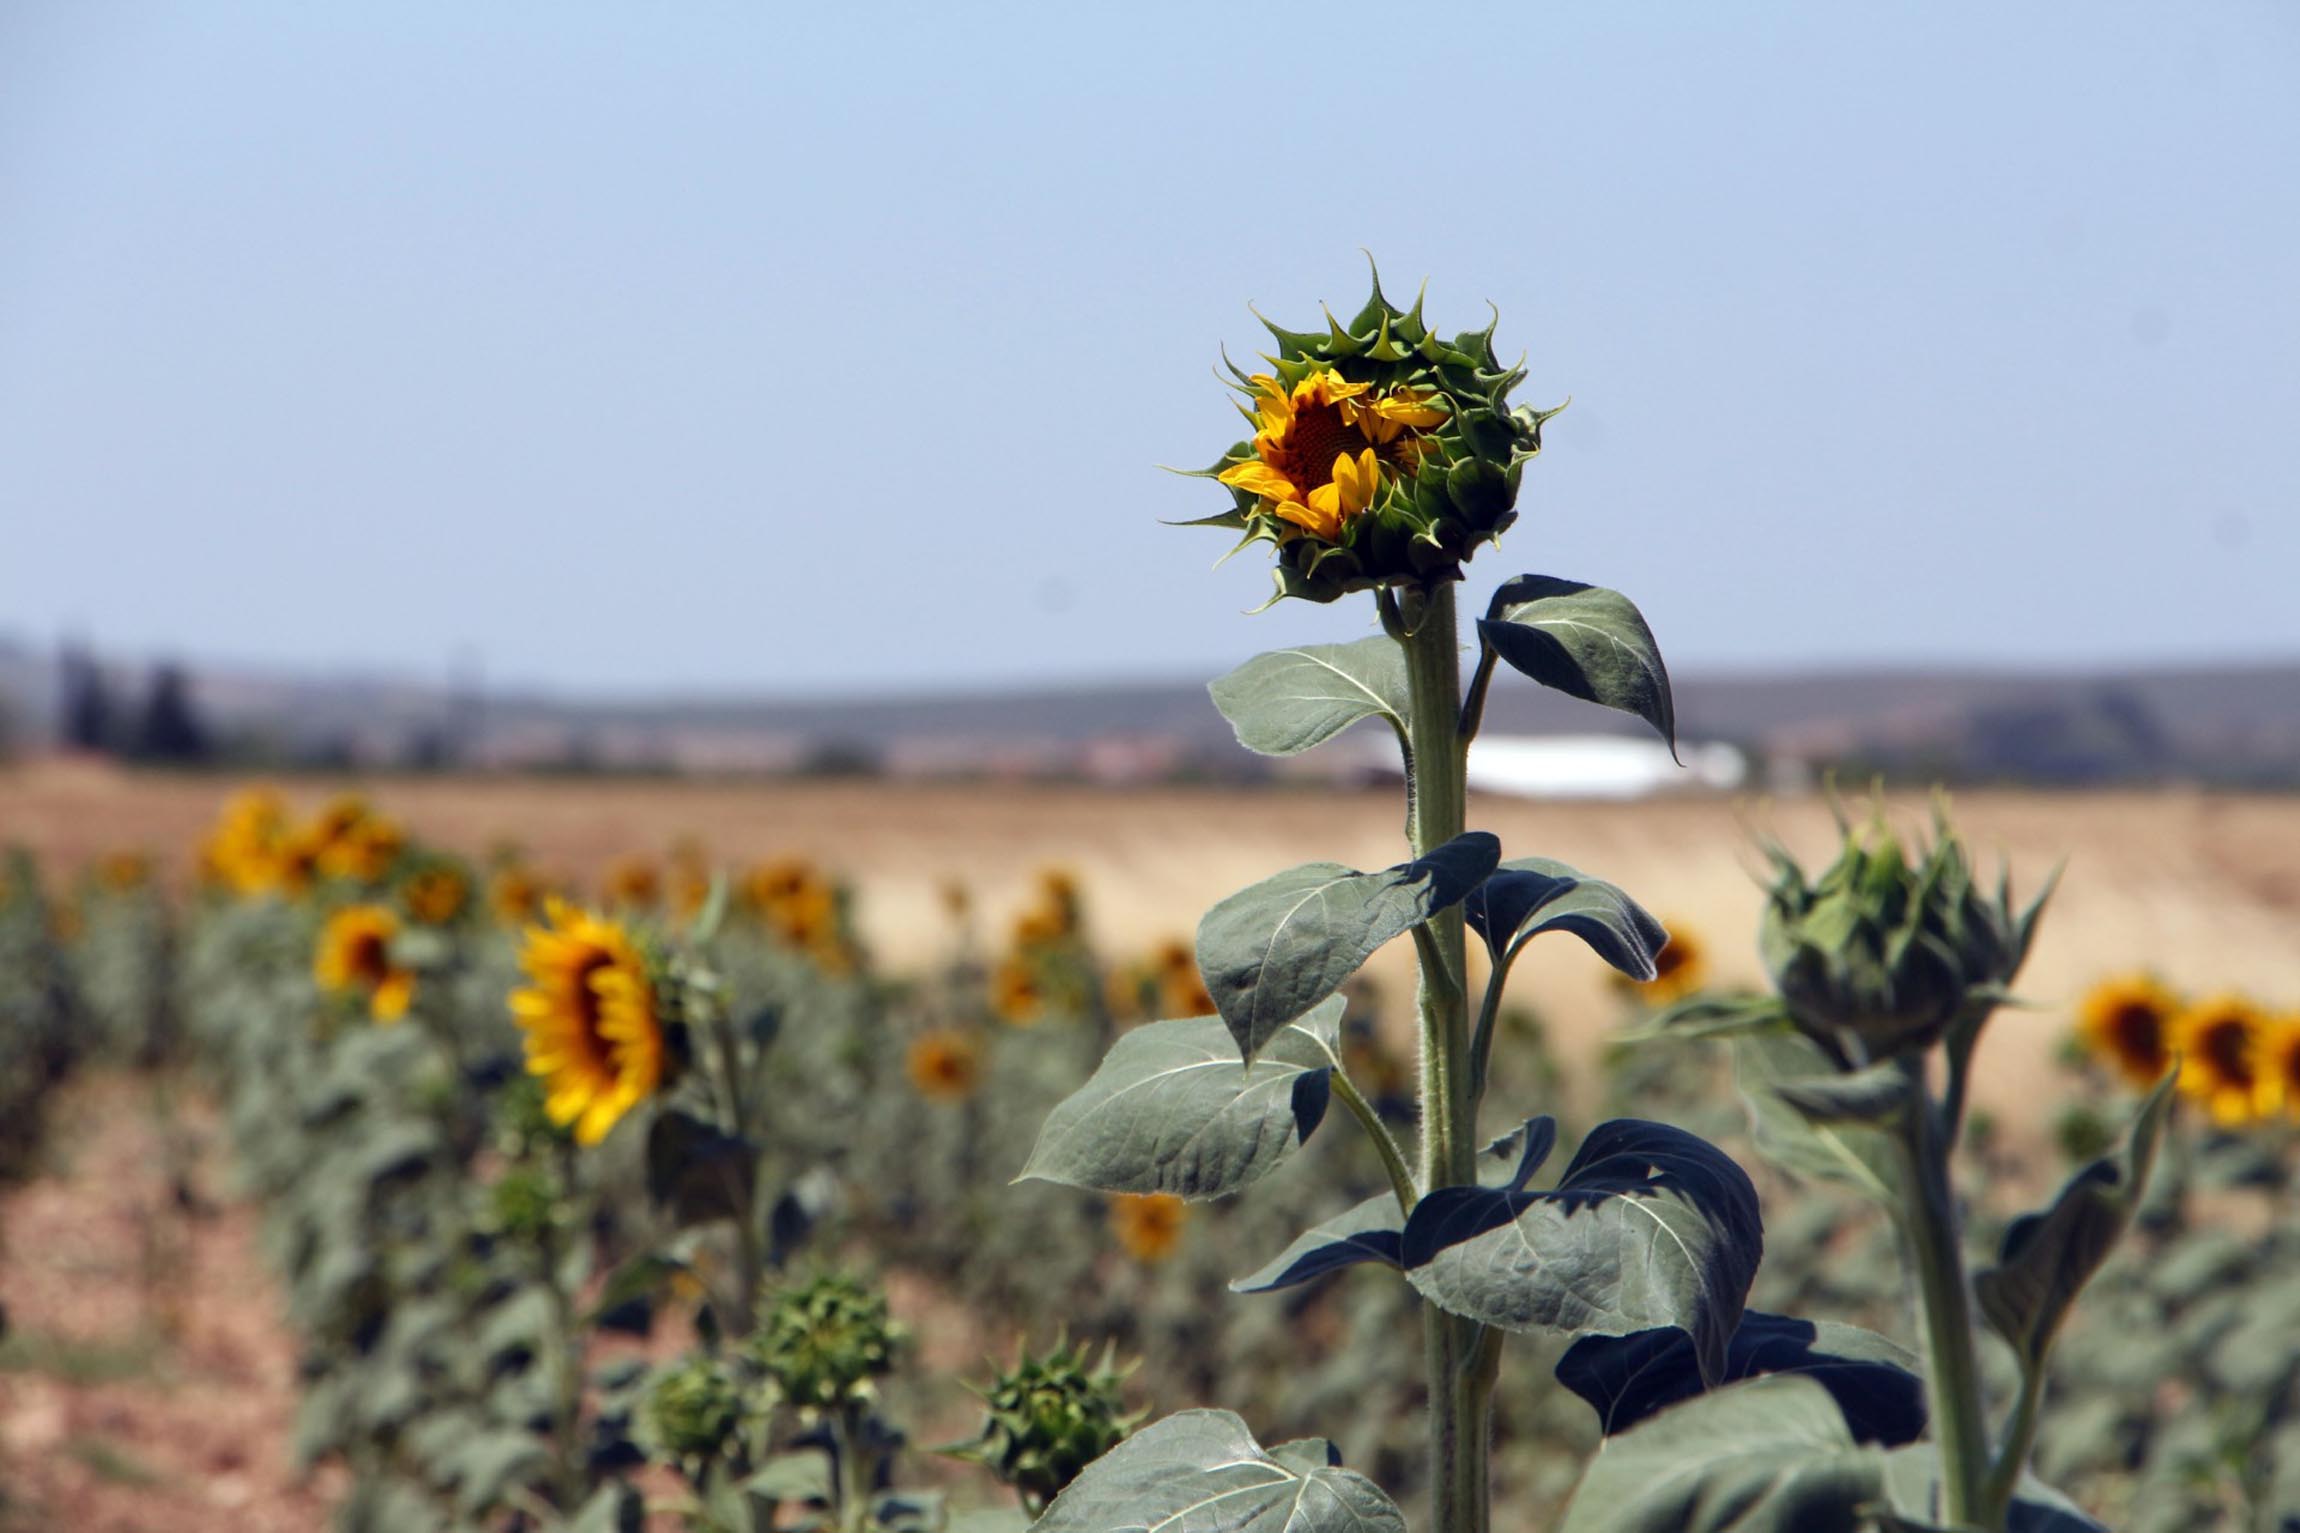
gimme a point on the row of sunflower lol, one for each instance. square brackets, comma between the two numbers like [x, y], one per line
[491, 1126]
[2238, 1060]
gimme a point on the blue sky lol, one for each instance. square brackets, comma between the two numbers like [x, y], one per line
[748, 348]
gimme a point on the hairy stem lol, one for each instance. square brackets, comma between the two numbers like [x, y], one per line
[1928, 1219]
[1437, 808]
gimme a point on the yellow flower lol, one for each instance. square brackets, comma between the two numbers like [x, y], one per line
[634, 883]
[1055, 916]
[2223, 1061]
[515, 894]
[437, 894]
[362, 849]
[241, 851]
[1015, 993]
[1323, 445]
[1149, 1224]
[589, 1016]
[355, 955]
[2283, 1051]
[944, 1065]
[2127, 1022]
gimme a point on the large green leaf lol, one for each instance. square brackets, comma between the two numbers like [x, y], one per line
[1650, 1226]
[1289, 700]
[1272, 951]
[1585, 641]
[1625, 1379]
[2047, 1258]
[1174, 1109]
[1374, 1231]
[1202, 1472]
[1768, 1456]
[1527, 896]
[696, 1172]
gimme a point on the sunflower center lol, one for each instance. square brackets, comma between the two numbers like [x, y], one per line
[1317, 436]
[2139, 1034]
[2226, 1047]
[589, 1009]
[368, 958]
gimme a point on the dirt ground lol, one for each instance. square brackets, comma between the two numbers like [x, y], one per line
[2204, 888]
[146, 1381]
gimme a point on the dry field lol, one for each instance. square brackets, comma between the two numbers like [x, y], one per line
[2205, 888]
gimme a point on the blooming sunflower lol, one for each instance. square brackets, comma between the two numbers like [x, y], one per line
[1323, 446]
[1016, 993]
[437, 894]
[515, 894]
[1148, 1224]
[634, 883]
[355, 956]
[1679, 969]
[2224, 1064]
[944, 1065]
[590, 1019]
[2127, 1022]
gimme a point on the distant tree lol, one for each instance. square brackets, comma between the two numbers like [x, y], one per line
[169, 730]
[84, 701]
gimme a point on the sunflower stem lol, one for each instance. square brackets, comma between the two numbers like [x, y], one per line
[1928, 1220]
[1459, 1380]
[749, 1263]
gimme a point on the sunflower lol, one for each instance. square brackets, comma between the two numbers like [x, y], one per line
[515, 894]
[589, 1016]
[2283, 1054]
[1323, 446]
[1148, 1224]
[241, 852]
[2127, 1022]
[944, 1065]
[361, 850]
[1016, 993]
[437, 894]
[634, 883]
[2224, 1063]
[355, 955]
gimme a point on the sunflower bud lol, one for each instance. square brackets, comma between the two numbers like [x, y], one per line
[1891, 945]
[1382, 454]
[824, 1341]
[1050, 1417]
[691, 1410]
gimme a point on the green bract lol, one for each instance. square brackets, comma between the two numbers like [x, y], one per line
[1050, 1417]
[1889, 947]
[1456, 486]
[691, 1409]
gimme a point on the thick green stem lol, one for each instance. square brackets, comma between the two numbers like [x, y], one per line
[1436, 811]
[1928, 1218]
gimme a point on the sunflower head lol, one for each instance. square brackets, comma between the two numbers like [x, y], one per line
[1049, 1417]
[692, 1409]
[354, 958]
[1382, 454]
[634, 883]
[349, 840]
[592, 1018]
[1892, 944]
[515, 893]
[2225, 1063]
[437, 893]
[2126, 1023]
[825, 1341]
[1148, 1224]
[944, 1065]
[1017, 994]
[1679, 969]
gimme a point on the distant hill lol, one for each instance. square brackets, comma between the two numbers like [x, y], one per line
[2227, 723]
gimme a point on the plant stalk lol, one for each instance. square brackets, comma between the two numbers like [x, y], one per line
[1436, 812]
[1928, 1219]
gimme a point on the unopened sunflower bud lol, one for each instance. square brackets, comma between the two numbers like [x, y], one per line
[1881, 954]
[824, 1341]
[692, 1410]
[1049, 1418]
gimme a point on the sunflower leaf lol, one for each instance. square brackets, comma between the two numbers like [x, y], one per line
[696, 1172]
[1203, 1470]
[1284, 702]
[1174, 1109]
[1272, 951]
[1527, 896]
[1584, 641]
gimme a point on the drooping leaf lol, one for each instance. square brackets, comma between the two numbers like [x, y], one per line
[1585, 641]
[2047, 1258]
[1650, 1226]
[696, 1172]
[1876, 1097]
[1272, 951]
[1373, 1230]
[1174, 1109]
[1873, 1380]
[1710, 1015]
[1854, 1157]
[1203, 1472]
[1527, 896]
[1284, 702]
[1768, 1456]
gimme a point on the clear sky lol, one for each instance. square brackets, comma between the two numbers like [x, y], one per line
[772, 348]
